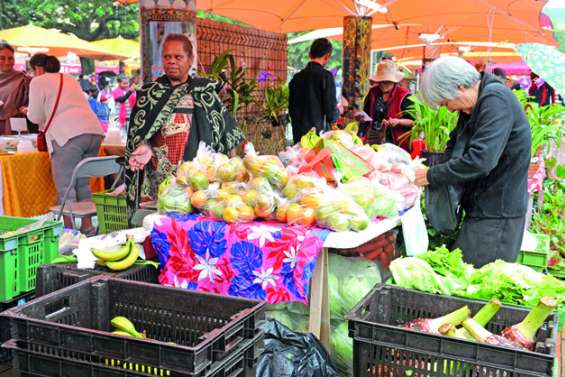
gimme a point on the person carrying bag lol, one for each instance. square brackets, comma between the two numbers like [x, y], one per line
[41, 139]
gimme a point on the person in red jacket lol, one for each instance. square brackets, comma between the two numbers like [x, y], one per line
[386, 104]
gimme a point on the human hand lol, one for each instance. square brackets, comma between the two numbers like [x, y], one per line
[422, 177]
[391, 122]
[23, 110]
[140, 157]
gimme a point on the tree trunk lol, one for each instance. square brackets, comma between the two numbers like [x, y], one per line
[87, 66]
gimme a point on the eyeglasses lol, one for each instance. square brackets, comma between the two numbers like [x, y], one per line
[385, 82]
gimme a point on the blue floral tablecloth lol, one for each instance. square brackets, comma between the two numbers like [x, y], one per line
[269, 261]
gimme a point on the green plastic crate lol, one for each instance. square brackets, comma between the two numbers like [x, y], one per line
[20, 255]
[538, 258]
[112, 212]
[557, 274]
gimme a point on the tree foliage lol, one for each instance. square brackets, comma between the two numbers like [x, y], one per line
[298, 53]
[88, 20]
[560, 38]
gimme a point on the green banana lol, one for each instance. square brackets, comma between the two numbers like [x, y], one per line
[122, 333]
[123, 324]
[128, 261]
[111, 256]
[64, 259]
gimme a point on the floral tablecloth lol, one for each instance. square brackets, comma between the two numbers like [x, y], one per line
[269, 261]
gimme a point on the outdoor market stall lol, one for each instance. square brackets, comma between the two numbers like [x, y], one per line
[284, 257]
[27, 188]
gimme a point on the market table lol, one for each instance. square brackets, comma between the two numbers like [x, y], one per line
[27, 184]
[172, 232]
[27, 187]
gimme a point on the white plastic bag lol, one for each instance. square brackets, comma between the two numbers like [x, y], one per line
[414, 230]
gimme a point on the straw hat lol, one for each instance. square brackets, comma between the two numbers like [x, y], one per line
[387, 70]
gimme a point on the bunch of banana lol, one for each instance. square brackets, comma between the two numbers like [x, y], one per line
[120, 259]
[309, 140]
[124, 327]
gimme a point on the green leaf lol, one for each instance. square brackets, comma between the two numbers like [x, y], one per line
[560, 171]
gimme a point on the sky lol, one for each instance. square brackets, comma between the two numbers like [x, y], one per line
[555, 4]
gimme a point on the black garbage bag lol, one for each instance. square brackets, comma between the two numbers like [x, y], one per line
[291, 354]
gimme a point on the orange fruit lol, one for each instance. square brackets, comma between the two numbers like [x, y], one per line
[281, 214]
[246, 213]
[250, 197]
[223, 195]
[263, 212]
[308, 217]
[311, 201]
[230, 215]
[294, 213]
[198, 199]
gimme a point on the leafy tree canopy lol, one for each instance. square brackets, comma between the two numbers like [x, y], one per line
[88, 20]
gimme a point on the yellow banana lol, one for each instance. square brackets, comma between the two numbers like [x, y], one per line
[124, 325]
[127, 262]
[117, 255]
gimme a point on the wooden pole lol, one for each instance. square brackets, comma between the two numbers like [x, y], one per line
[157, 19]
[356, 58]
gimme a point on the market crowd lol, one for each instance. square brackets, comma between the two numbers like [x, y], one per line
[485, 163]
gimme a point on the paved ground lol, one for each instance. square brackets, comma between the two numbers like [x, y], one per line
[6, 371]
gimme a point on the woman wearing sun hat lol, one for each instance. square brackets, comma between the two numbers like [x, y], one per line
[385, 104]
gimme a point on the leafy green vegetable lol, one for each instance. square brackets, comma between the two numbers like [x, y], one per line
[349, 280]
[414, 273]
[342, 348]
[512, 283]
[445, 262]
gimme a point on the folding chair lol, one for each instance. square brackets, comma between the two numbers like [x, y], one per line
[87, 168]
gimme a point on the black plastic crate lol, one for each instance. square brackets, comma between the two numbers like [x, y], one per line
[44, 361]
[383, 349]
[6, 355]
[52, 277]
[204, 327]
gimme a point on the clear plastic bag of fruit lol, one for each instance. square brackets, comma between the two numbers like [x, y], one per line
[232, 171]
[173, 197]
[231, 209]
[293, 156]
[295, 213]
[187, 170]
[267, 166]
[340, 213]
[348, 139]
[303, 183]
[375, 199]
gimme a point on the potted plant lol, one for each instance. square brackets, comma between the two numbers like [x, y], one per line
[276, 104]
[434, 125]
[239, 88]
[546, 126]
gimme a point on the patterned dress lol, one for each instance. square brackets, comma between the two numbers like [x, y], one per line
[173, 120]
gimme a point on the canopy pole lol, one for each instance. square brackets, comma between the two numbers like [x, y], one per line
[356, 59]
[157, 19]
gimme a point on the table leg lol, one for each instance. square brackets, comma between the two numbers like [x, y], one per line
[319, 303]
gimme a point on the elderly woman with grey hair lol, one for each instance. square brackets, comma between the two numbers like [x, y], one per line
[494, 140]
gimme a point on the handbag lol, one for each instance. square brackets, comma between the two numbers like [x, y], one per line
[41, 139]
[443, 203]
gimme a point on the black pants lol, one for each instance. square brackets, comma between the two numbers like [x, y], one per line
[486, 240]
